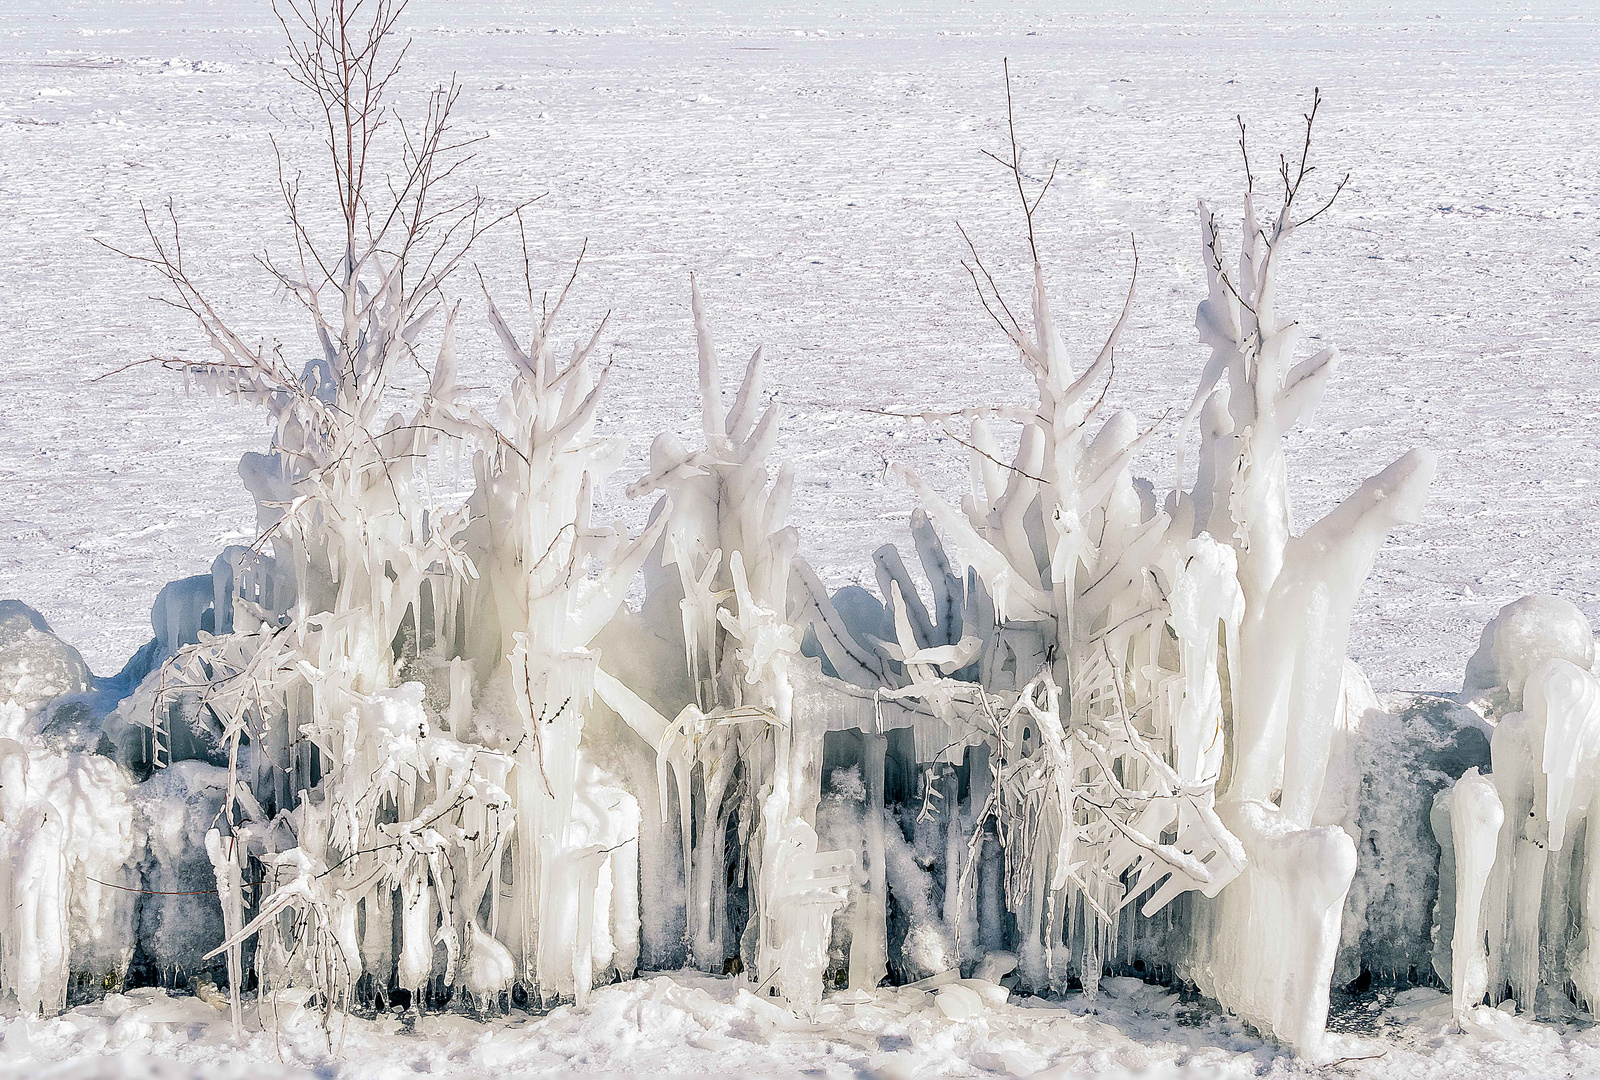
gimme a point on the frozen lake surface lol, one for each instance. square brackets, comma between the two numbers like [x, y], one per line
[811, 168]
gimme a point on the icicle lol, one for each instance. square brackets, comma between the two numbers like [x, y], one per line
[1475, 819]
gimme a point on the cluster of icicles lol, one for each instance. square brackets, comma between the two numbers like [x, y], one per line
[459, 765]
[1519, 893]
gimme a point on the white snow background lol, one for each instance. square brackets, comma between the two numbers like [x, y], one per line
[810, 166]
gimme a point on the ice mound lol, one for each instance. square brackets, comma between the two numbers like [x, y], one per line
[1518, 640]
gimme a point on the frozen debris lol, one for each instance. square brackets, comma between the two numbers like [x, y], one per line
[995, 966]
[958, 1001]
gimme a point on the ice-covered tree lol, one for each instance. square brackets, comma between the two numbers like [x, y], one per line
[1104, 742]
[739, 752]
[1158, 687]
[400, 682]
[1266, 946]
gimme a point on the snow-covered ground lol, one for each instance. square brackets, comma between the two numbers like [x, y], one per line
[688, 1024]
[811, 166]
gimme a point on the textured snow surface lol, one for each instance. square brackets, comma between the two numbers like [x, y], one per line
[810, 165]
[693, 1024]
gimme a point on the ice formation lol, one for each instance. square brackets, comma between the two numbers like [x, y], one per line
[1387, 769]
[1522, 636]
[36, 667]
[1524, 920]
[1298, 594]
[1475, 817]
[412, 748]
